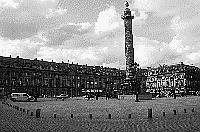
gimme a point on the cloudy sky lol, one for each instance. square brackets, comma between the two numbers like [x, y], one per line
[91, 31]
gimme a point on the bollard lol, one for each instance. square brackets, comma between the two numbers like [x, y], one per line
[20, 109]
[129, 116]
[192, 109]
[90, 116]
[174, 112]
[149, 113]
[17, 108]
[23, 110]
[109, 116]
[163, 113]
[38, 113]
[54, 115]
[184, 110]
[72, 116]
[31, 113]
[27, 111]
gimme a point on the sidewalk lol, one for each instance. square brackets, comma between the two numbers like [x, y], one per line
[12, 120]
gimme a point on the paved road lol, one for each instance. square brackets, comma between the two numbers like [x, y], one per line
[118, 108]
[12, 120]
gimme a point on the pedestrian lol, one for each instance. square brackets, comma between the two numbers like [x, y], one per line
[88, 97]
[107, 96]
[97, 96]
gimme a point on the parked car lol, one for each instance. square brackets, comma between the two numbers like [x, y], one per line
[89, 96]
[62, 96]
[198, 93]
[21, 97]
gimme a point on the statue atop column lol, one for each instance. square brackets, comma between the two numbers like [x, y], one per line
[126, 4]
[129, 50]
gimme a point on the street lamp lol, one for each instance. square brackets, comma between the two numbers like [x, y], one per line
[137, 92]
[136, 81]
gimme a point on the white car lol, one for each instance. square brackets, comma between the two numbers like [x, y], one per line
[21, 97]
[62, 96]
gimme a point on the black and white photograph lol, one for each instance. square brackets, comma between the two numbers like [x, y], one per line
[99, 65]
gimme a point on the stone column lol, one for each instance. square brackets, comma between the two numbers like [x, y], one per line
[129, 50]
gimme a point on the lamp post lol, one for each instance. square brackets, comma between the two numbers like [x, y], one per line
[136, 94]
[136, 81]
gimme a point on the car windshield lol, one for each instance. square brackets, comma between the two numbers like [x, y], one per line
[15, 94]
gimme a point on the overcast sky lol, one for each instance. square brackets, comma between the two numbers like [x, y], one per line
[92, 31]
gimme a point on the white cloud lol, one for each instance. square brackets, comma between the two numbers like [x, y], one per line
[8, 47]
[180, 18]
[151, 52]
[194, 56]
[89, 54]
[22, 48]
[81, 56]
[84, 25]
[107, 20]
[164, 32]
[116, 64]
[168, 7]
[26, 20]
[47, 0]
[8, 3]
[178, 45]
[55, 12]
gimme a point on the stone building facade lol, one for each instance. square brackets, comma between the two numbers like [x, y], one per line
[179, 77]
[51, 78]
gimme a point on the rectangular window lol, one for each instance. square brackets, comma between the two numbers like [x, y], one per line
[25, 95]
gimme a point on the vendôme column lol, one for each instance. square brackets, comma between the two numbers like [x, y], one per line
[129, 50]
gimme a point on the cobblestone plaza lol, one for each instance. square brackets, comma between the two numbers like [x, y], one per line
[14, 120]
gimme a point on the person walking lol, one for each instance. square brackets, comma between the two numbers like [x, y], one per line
[97, 96]
[88, 97]
[107, 96]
